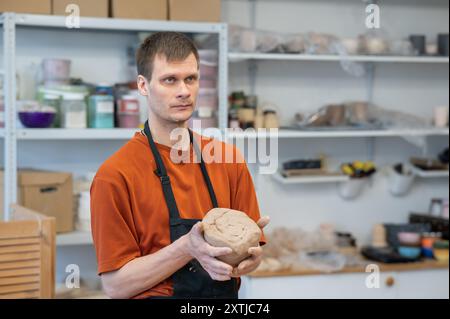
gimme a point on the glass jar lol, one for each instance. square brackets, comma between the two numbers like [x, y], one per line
[104, 89]
[234, 121]
[246, 115]
[259, 119]
[271, 120]
[251, 101]
[237, 100]
[101, 111]
[74, 111]
[54, 101]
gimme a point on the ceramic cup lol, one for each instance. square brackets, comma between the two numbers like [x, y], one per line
[418, 42]
[336, 114]
[441, 116]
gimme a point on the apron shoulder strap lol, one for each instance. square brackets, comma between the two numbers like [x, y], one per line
[161, 172]
[205, 174]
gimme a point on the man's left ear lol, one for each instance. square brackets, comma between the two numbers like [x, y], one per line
[142, 85]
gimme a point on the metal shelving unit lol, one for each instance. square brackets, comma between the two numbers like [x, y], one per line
[75, 134]
[239, 57]
[310, 179]
[125, 134]
[74, 238]
[11, 21]
[430, 174]
[285, 133]
[12, 135]
[83, 134]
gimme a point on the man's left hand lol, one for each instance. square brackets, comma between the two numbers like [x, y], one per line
[256, 253]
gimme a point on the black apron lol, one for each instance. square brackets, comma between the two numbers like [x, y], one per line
[191, 281]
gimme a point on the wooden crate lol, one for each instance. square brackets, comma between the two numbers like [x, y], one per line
[27, 255]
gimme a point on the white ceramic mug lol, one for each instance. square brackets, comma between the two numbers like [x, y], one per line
[441, 116]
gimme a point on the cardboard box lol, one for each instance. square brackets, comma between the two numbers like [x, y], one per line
[26, 6]
[139, 9]
[50, 193]
[88, 8]
[194, 10]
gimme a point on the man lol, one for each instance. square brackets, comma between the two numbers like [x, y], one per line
[146, 208]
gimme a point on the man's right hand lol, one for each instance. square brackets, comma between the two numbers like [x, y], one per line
[206, 254]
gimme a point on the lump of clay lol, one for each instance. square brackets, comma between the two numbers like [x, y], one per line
[225, 227]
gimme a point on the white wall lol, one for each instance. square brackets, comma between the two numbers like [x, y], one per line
[304, 87]
[294, 87]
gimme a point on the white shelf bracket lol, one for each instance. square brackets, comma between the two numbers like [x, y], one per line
[370, 148]
[370, 81]
[252, 73]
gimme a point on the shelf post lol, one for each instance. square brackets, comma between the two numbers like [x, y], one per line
[252, 69]
[10, 147]
[223, 77]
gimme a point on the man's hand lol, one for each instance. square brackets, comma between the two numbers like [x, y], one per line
[256, 253]
[206, 254]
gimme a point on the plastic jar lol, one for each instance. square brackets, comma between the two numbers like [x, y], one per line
[128, 112]
[204, 112]
[204, 123]
[208, 83]
[427, 242]
[246, 115]
[2, 112]
[208, 70]
[74, 111]
[208, 55]
[101, 111]
[207, 98]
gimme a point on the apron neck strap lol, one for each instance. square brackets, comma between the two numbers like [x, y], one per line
[161, 172]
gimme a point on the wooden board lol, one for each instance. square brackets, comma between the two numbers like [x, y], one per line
[20, 241]
[27, 255]
[424, 265]
[19, 288]
[20, 248]
[21, 295]
[20, 272]
[20, 264]
[18, 280]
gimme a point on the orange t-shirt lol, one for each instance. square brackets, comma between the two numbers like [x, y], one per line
[130, 218]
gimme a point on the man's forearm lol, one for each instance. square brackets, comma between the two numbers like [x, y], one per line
[145, 272]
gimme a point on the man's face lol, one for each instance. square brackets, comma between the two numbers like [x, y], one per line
[173, 89]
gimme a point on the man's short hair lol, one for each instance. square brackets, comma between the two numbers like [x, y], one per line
[174, 46]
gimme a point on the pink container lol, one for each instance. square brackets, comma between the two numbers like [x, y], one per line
[128, 112]
[204, 123]
[2, 112]
[208, 70]
[207, 98]
[56, 70]
[129, 120]
[208, 83]
[208, 55]
[409, 238]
